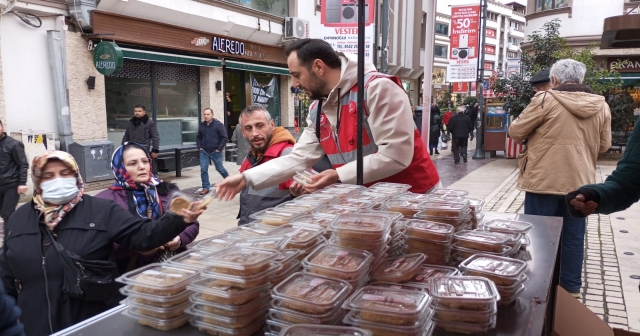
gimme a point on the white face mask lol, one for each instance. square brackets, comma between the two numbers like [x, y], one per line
[60, 190]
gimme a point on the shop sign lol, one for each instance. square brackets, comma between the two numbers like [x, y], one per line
[490, 32]
[339, 27]
[463, 54]
[200, 41]
[460, 87]
[107, 58]
[490, 49]
[629, 64]
[227, 46]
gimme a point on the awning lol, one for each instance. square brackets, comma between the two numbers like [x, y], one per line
[256, 67]
[628, 79]
[170, 58]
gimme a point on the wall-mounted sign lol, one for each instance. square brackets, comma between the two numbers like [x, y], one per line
[490, 49]
[460, 87]
[200, 41]
[107, 58]
[624, 64]
[228, 46]
[490, 32]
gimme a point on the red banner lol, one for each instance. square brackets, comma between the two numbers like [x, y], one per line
[463, 52]
[490, 32]
[488, 66]
[490, 50]
[460, 87]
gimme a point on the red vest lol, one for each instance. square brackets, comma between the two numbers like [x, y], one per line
[341, 147]
[274, 151]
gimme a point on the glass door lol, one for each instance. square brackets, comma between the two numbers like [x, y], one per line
[234, 98]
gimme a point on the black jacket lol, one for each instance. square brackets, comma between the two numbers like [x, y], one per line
[90, 230]
[13, 162]
[212, 136]
[9, 315]
[460, 125]
[143, 131]
[417, 119]
[436, 127]
[473, 114]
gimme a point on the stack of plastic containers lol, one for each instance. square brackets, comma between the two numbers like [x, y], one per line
[468, 243]
[218, 242]
[289, 259]
[265, 242]
[398, 268]
[390, 311]
[449, 192]
[157, 295]
[477, 212]
[408, 208]
[316, 330]
[364, 231]
[350, 265]
[303, 238]
[512, 227]
[431, 238]
[307, 298]
[340, 190]
[506, 273]
[279, 216]
[251, 230]
[457, 214]
[235, 276]
[427, 273]
[464, 304]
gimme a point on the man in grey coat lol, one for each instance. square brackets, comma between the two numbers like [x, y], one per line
[141, 129]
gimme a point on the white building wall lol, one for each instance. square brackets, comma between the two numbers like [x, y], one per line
[587, 18]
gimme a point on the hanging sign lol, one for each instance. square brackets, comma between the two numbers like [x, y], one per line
[460, 87]
[339, 22]
[107, 58]
[463, 53]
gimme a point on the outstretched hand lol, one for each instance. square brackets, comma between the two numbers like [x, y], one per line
[586, 208]
[230, 187]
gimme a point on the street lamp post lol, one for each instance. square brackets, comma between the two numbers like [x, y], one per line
[479, 153]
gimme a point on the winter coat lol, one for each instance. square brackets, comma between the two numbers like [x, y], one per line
[143, 131]
[460, 125]
[32, 268]
[473, 114]
[13, 162]
[417, 119]
[566, 128]
[120, 252]
[242, 142]
[9, 315]
[446, 118]
[435, 128]
[211, 136]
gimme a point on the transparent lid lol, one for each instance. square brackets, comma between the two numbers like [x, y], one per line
[158, 276]
[218, 242]
[266, 242]
[463, 287]
[163, 324]
[131, 302]
[317, 219]
[210, 286]
[495, 265]
[426, 227]
[337, 192]
[340, 259]
[356, 203]
[422, 327]
[394, 285]
[323, 330]
[362, 222]
[452, 209]
[211, 272]
[277, 215]
[287, 256]
[392, 215]
[130, 290]
[241, 258]
[446, 199]
[191, 259]
[449, 192]
[388, 300]
[335, 210]
[504, 250]
[245, 308]
[316, 198]
[297, 206]
[367, 195]
[409, 196]
[525, 240]
[345, 186]
[428, 272]
[405, 205]
[475, 204]
[487, 238]
[249, 230]
[199, 310]
[397, 266]
[299, 235]
[388, 185]
[212, 329]
[313, 290]
[507, 226]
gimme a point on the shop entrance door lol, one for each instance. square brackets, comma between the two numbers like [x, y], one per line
[235, 100]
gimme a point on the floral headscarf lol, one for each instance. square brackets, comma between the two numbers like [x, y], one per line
[53, 213]
[144, 195]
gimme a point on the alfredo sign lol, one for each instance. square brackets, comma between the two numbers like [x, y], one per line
[107, 58]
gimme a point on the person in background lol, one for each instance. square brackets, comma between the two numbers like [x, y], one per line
[13, 173]
[417, 118]
[211, 141]
[565, 129]
[459, 127]
[241, 142]
[473, 115]
[9, 315]
[541, 81]
[32, 267]
[446, 118]
[139, 192]
[435, 125]
[143, 130]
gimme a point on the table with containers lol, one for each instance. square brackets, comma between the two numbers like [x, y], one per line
[351, 260]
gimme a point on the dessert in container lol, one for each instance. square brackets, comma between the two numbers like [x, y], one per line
[346, 186]
[300, 237]
[357, 203]
[432, 231]
[466, 328]
[158, 279]
[507, 291]
[315, 220]
[160, 324]
[279, 313]
[297, 206]
[448, 210]
[449, 192]
[507, 226]
[316, 198]
[481, 241]
[422, 327]
[240, 260]
[368, 196]
[156, 312]
[462, 316]
[361, 226]
[431, 257]
[218, 242]
[180, 201]
[230, 310]
[212, 329]
[476, 204]
[387, 305]
[198, 311]
[398, 269]
[395, 217]
[409, 196]
[455, 221]
[242, 281]
[287, 258]
[191, 259]
[428, 272]
[304, 176]
[338, 262]
[336, 210]
[323, 330]
[394, 285]
[428, 245]
[406, 207]
[160, 301]
[477, 220]
[389, 185]
[465, 253]
[275, 217]
[373, 246]
[337, 191]
[464, 292]
[249, 231]
[227, 295]
[311, 293]
[285, 273]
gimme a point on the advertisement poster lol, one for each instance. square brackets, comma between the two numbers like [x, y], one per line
[513, 67]
[262, 95]
[463, 53]
[460, 87]
[339, 20]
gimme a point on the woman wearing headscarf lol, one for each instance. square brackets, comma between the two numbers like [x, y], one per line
[138, 191]
[35, 269]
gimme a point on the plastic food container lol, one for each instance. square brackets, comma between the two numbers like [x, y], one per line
[156, 312]
[398, 269]
[369, 196]
[503, 271]
[311, 293]
[507, 226]
[239, 260]
[386, 305]
[464, 292]
[481, 241]
[250, 231]
[278, 243]
[275, 217]
[409, 196]
[320, 330]
[428, 272]
[466, 328]
[218, 242]
[304, 176]
[160, 301]
[461, 316]
[511, 297]
[465, 253]
[316, 198]
[449, 192]
[297, 206]
[279, 313]
[248, 308]
[449, 210]
[301, 237]
[242, 281]
[357, 203]
[406, 207]
[428, 245]
[288, 258]
[227, 295]
[395, 217]
[158, 279]
[423, 327]
[286, 272]
[192, 259]
[455, 221]
[432, 231]
[335, 210]
[339, 192]
[373, 246]
[212, 329]
[315, 220]
[393, 285]
[476, 204]
[180, 201]
[338, 262]
[361, 226]
[198, 311]
[525, 241]
[388, 185]
[160, 324]
[477, 220]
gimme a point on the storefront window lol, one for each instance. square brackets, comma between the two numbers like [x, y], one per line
[264, 90]
[275, 7]
[542, 5]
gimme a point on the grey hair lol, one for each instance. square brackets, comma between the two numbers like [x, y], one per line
[249, 110]
[460, 108]
[568, 70]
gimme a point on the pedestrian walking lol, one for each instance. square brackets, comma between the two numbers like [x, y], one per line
[211, 141]
[417, 118]
[142, 130]
[435, 129]
[446, 118]
[460, 126]
[565, 129]
[473, 114]
[13, 173]
[241, 142]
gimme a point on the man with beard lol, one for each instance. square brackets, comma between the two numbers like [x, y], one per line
[143, 130]
[393, 149]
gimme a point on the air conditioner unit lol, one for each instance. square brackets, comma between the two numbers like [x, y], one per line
[295, 28]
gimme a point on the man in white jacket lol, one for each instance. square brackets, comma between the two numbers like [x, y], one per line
[393, 148]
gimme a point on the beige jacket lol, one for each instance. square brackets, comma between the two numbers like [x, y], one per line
[391, 124]
[566, 128]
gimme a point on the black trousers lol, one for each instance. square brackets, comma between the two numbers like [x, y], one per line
[459, 148]
[9, 198]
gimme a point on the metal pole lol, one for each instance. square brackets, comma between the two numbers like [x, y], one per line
[360, 97]
[384, 36]
[55, 44]
[479, 154]
[375, 36]
[429, 42]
